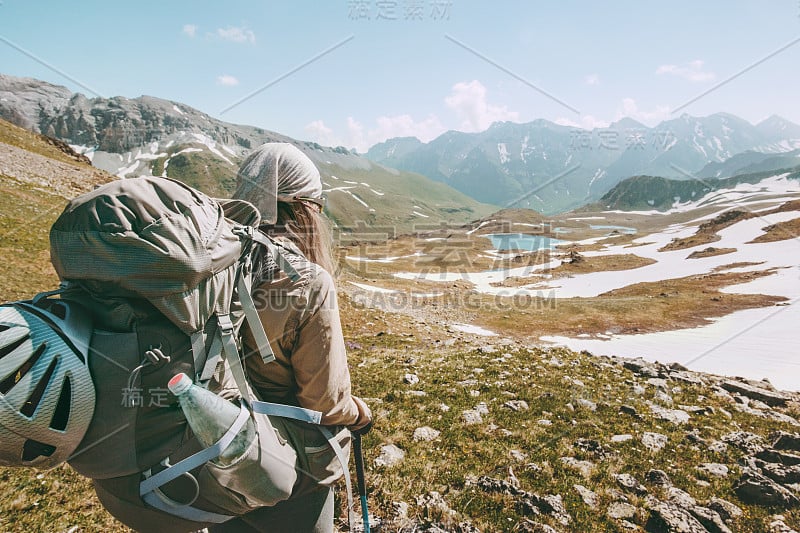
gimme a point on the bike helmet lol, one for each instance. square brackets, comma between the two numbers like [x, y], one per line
[47, 397]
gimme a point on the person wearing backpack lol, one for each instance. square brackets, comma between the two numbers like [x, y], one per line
[301, 319]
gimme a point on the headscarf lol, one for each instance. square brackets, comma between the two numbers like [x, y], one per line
[273, 172]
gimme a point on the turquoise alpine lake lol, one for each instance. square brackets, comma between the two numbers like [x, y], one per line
[522, 241]
[621, 229]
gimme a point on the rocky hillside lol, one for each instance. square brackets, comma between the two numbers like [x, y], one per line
[553, 168]
[152, 136]
[473, 433]
[652, 192]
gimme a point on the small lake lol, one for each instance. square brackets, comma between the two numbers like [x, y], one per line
[621, 229]
[522, 241]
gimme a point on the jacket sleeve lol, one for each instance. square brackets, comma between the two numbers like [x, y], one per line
[319, 359]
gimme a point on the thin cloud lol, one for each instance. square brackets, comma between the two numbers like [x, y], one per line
[189, 30]
[468, 100]
[592, 79]
[236, 34]
[227, 80]
[691, 71]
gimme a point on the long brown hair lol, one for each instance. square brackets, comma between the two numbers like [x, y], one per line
[309, 230]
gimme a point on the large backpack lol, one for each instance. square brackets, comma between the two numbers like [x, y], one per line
[166, 274]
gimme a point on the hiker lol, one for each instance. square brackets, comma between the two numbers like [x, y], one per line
[301, 319]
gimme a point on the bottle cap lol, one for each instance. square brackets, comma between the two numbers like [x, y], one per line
[179, 384]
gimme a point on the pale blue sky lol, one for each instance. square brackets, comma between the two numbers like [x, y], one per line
[416, 67]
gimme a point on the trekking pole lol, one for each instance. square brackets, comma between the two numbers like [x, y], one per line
[362, 487]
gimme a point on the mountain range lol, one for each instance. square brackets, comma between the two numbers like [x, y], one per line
[553, 168]
[403, 182]
[153, 136]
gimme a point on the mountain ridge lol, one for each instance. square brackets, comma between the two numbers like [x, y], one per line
[149, 135]
[560, 167]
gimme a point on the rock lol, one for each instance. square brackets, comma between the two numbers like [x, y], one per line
[711, 520]
[654, 441]
[776, 456]
[783, 474]
[777, 525]
[662, 397]
[410, 379]
[630, 483]
[549, 504]
[592, 446]
[757, 489]
[482, 408]
[787, 441]
[471, 417]
[676, 416]
[628, 410]
[641, 367]
[725, 509]
[658, 383]
[587, 404]
[390, 455]
[621, 438]
[589, 498]
[621, 510]
[669, 518]
[658, 477]
[529, 526]
[517, 405]
[490, 484]
[518, 455]
[426, 433]
[586, 468]
[681, 498]
[638, 390]
[544, 422]
[714, 469]
[769, 397]
[750, 443]
[718, 447]
[435, 504]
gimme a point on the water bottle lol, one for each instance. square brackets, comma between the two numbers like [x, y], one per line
[210, 416]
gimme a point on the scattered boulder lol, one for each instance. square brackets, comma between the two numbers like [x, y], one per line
[725, 509]
[676, 416]
[783, 474]
[586, 468]
[714, 469]
[587, 404]
[589, 497]
[630, 483]
[749, 443]
[621, 438]
[410, 379]
[787, 441]
[776, 456]
[669, 518]
[592, 446]
[755, 488]
[681, 498]
[390, 456]
[471, 416]
[426, 433]
[621, 511]
[641, 367]
[654, 441]
[769, 397]
[550, 504]
[711, 520]
[658, 477]
[517, 405]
